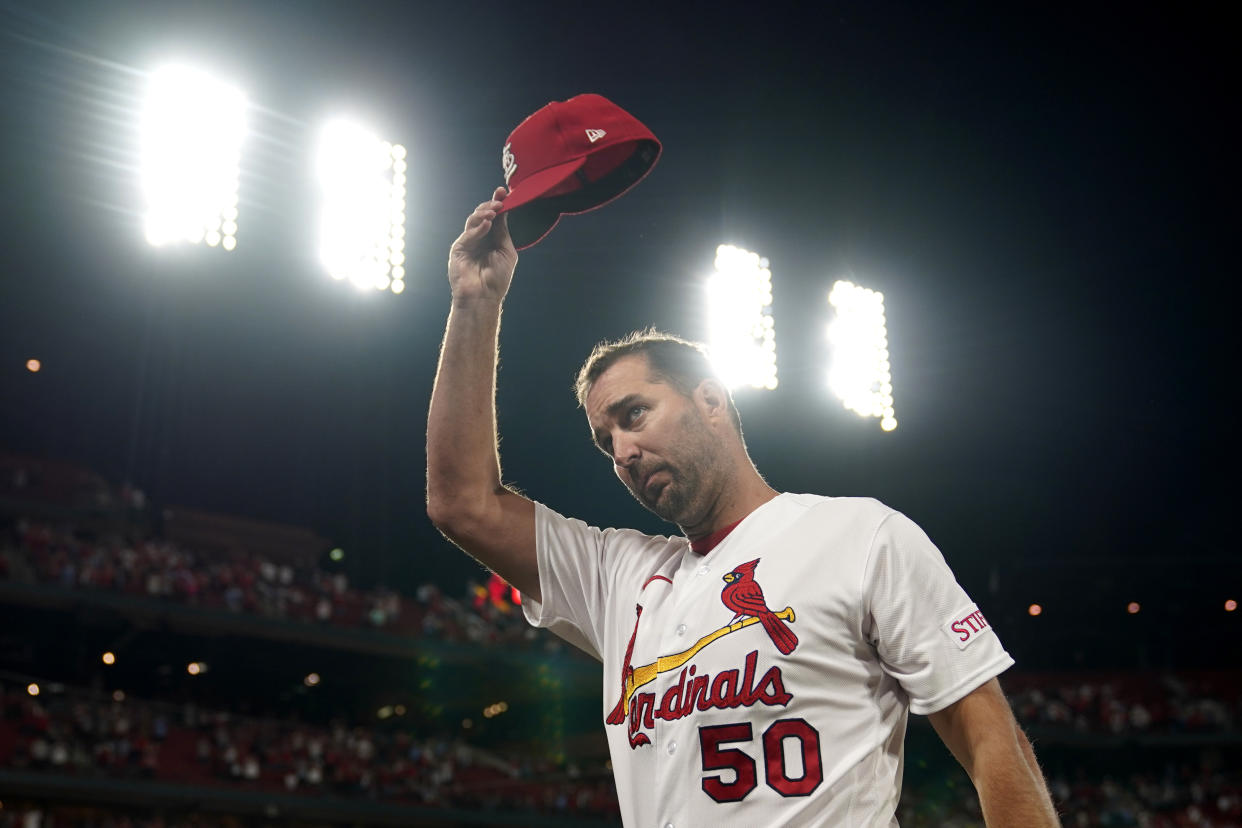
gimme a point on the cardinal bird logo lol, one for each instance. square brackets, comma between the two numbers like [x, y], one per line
[744, 596]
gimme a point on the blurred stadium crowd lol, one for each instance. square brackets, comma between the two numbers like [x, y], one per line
[70, 731]
[1158, 749]
[153, 568]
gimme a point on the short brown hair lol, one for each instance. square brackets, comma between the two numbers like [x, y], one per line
[679, 362]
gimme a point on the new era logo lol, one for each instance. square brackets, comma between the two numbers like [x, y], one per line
[594, 135]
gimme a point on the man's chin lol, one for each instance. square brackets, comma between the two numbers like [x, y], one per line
[667, 506]
[664, 505]
[656, 505]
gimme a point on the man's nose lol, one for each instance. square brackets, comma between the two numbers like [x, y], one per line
[624, 451]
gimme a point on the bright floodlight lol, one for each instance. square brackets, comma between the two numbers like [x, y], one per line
[192, 131]
[741, 334]
[859, 375]
[362, 225]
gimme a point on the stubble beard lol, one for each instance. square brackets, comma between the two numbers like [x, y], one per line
[687, 496]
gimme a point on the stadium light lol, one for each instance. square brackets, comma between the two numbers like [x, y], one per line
[1231, 605]
[108, 658]
[192, 132]
[859, 373]
[33, 689]
[741, 333]
[1034, 609]
[362, 223]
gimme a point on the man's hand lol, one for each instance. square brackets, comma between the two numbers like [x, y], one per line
[482, 259]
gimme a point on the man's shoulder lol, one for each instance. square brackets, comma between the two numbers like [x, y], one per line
[635, 537]
[840, 523]
[610, 536]
[838, 508]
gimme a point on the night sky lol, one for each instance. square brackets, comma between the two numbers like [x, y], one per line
[1045, 198]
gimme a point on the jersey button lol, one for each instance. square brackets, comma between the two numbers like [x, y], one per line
[703, 570]
[672, 748]
[668, 825]
[681, 629]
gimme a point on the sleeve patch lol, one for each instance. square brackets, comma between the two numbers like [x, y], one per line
[967, 627]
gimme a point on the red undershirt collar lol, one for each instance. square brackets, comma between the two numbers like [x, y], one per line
[707, 543]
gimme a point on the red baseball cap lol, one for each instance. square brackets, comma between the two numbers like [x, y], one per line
[571, 157]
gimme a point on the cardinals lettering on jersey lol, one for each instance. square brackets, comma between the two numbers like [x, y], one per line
[727, 689]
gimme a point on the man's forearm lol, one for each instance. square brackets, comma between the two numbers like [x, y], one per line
[1012, 791]
[462, 457]
[1032, 763]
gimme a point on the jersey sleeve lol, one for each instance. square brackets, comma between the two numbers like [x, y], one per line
[579, 566]
[929, 635]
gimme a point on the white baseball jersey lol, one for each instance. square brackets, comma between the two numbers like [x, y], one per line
[780, 696]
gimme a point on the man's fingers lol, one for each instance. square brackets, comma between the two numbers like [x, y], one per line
[479, 215]
[502, 231]
[480, 222]
[492, 207]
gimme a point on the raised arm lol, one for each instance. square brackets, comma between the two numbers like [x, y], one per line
[465, 497]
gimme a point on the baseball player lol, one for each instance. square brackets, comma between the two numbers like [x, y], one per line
[759, 665]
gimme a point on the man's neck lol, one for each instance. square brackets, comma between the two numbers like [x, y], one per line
[705, 544]
[734, 510]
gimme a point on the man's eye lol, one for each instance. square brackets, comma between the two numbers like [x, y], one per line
[634, 413]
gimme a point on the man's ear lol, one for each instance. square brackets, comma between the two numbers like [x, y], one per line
[713, 399]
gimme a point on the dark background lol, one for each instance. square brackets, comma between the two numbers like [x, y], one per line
[1046, 199]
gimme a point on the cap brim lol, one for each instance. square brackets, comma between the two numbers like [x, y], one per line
[540, 184]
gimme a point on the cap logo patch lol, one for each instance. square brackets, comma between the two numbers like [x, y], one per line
[594, 135]
[508, 162]
[968, 627]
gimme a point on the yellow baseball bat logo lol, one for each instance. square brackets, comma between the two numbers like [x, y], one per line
[647, 673]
